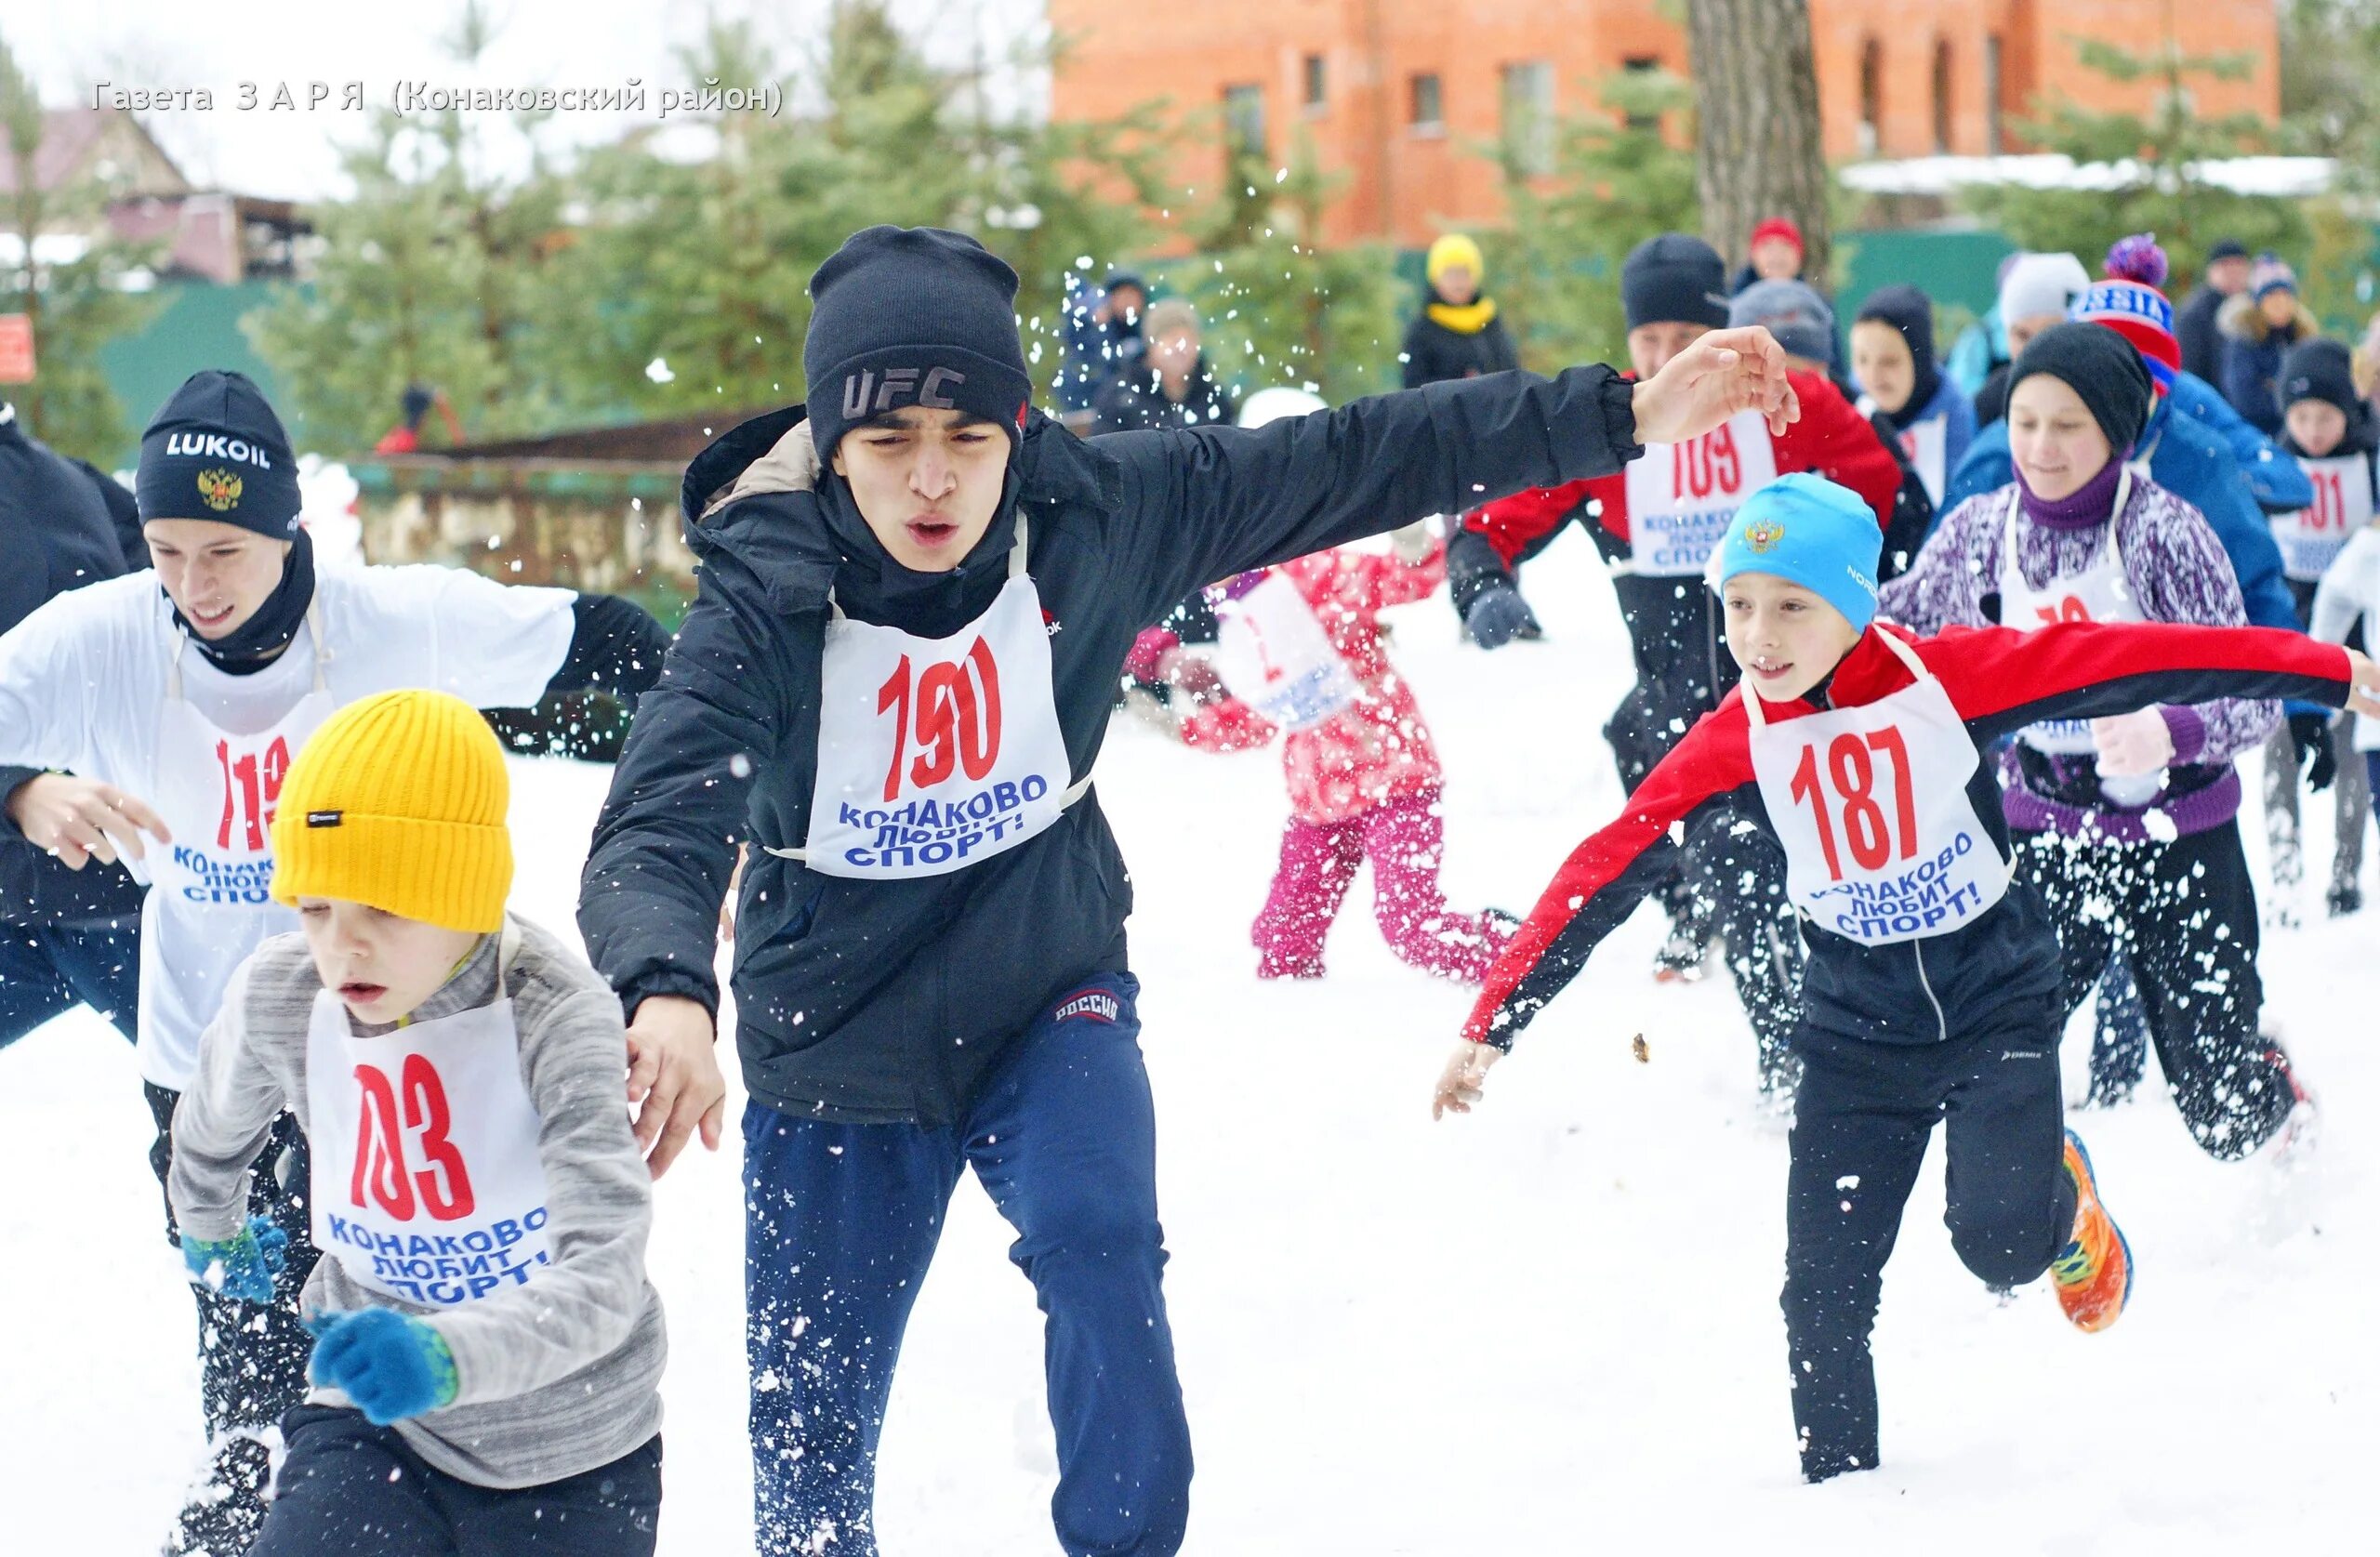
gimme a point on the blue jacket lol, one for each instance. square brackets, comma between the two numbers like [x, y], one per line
[866, 1000]
[1957, 411]
[1091, 352]
[2280, 487]
[2189, 460]
[1981, 347]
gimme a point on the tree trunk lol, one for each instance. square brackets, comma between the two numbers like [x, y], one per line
[1758, 150]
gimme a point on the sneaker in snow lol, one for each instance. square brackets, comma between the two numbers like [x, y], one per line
[2345, 899]
[2094, 1272]
[2293, 1144]
[1682, 960]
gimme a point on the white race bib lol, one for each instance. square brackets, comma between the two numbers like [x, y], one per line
[427, 1180]
[1882, 842]
[1928, 444]
[1274, 655]
[209, 901]
[935, 753]
[1680, 496]
[2312, 538]
[2100, 593]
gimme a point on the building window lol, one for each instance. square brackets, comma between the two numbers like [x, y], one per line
[1872, 98]
[1641, 64]
[1244, 120]
[1528, 116]
[1425, 108]
[1942, 75]
[1316, 83]
[1993, 143]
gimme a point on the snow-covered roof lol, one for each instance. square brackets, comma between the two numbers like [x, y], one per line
[2284, 178]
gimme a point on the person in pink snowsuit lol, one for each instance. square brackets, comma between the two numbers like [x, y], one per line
[1300, 650]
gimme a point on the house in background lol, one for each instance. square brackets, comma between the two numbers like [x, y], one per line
[1406, 101]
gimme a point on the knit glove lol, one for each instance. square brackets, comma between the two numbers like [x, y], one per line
[2312, 733]
[390, 1365]
[242, 1266]
[1499, 615]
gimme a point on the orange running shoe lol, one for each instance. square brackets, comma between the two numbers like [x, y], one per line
[2094, 1272]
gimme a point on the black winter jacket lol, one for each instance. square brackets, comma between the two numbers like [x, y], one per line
[1134, 400]
[887, 1000]
[1433, 353]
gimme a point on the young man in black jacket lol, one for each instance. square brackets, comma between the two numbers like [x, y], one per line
[916, 600]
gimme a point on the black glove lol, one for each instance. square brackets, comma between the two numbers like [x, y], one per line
[1499, 615]
[2312, 733]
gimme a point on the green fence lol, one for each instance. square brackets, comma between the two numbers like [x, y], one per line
[198, 327]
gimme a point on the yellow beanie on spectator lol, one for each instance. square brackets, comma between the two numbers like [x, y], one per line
[399, 802]
[1456, 248]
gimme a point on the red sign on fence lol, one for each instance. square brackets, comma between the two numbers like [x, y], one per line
[16, 348]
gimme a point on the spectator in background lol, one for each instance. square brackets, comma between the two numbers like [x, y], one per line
[1457, 334]
[1103, 337]
[1777, 254]
[2226, 277]
[1170, 386]
[405, 437]
[2259, 326]
[2035, 292]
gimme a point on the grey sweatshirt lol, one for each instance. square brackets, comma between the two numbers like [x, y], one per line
[555, 1376]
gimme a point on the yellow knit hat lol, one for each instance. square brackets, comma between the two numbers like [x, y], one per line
[1455, 248]
[398, 802]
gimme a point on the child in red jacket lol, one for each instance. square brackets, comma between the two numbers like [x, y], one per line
[1300, 651]
[1933, 991]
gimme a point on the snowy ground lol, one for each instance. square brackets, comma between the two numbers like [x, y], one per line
[1550, 1327]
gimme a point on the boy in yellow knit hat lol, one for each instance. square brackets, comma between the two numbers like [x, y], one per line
[487, 1345]
[1457, 334]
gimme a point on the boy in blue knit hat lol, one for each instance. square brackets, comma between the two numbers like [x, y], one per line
[1932, 988]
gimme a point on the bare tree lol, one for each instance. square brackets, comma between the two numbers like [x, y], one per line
[1758, 150]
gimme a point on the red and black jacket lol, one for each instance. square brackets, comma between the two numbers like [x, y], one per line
[2000, 679]
[1673, 623]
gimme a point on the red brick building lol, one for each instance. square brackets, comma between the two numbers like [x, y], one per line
[1405, 99]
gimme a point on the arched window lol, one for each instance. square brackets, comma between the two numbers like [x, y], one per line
[1942, 74]
[1872, 98]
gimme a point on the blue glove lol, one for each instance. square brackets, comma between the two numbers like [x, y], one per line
[1499, 615]
[390, 1365]
[242, 1266]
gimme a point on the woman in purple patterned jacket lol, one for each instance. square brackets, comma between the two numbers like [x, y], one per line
[2126, 825]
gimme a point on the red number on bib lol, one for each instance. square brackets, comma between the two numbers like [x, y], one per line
[957, 727]
[446, 1184]
[382, 1168]
[251, 791]
[1726, 465]
[379, 1150]
[1865, 828]
[2329, 512]
[2071, 609]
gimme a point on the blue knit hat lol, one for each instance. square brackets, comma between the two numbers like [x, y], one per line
[1807, 530]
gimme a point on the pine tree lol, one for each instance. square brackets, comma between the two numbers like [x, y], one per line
[1279, 310]
[436, 272]
[75, 306]
[1617, 181]
[2154, 165]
